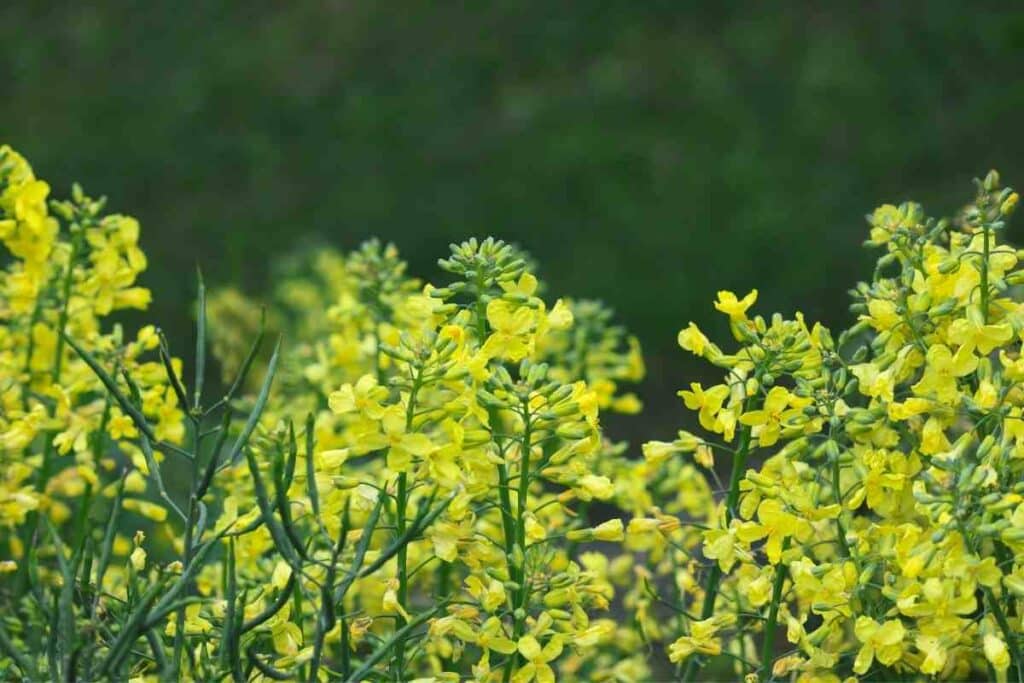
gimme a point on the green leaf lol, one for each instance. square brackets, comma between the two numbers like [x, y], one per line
[424, 518]
[273, 608]
[277, 532]
[228, 632]
[261, 402]
[108, 536]
[129, 409]
[172, 376]
[243, 372]
[361, 548]
[311, 489]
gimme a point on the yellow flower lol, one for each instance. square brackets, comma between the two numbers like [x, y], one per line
[538, 659]
[282, 572]
[513, 325]
[883, 314]
[560, 316]
[138, 559]
[491, 595]
[882, 641]
[403, 445]
[776, 524]
[723, 545]
[194, 621]
[972, 335]
[937, 598]
[935, 654]
[874, 382]
[591, 486]
[152, 511]
[735, 308]
[492, 637]
[759, 591]
[693, 340]
[708, 403]
[996, 652]
[121, 426]
[365, 397]
[768, 422]
[703, 639]
[942, 370]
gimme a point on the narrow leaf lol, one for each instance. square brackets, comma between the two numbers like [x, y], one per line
[172, 376]
[137, 417]
[261, 402]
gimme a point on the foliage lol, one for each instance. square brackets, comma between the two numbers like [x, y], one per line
[415, 482]
[401, 502]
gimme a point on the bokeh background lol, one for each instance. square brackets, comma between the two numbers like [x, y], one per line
[647, 153]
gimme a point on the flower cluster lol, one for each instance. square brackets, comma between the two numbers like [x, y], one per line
[881, 521]
[71, 266]
[399, 490]
[414, 483]
[455, 429]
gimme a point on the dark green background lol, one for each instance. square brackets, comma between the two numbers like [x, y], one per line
[648, 153]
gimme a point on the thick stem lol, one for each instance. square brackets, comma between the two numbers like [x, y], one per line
[398, 663]
[58, 363]
[190, 522]
[521, 503]
[768, 645]
[739, 461]
[58, 357]
[1008, 634]
[401, 523]
[322, 622]
[841, 530]
[507, 523]
[519, 543]
[984, 274]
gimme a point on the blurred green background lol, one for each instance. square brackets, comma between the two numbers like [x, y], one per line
[647, 153]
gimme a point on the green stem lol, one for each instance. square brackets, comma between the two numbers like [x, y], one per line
[58, 358]
[190, 522]
[55, 373]
[507, 524]
[739, 461]
[984, 274]
[401, 523]
[768, 645]
[843, 545]
[345, 649]
[62, 321]
[519, 542]
[1008, 634]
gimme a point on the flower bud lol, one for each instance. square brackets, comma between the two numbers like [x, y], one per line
[991, 182]
[609, 531]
